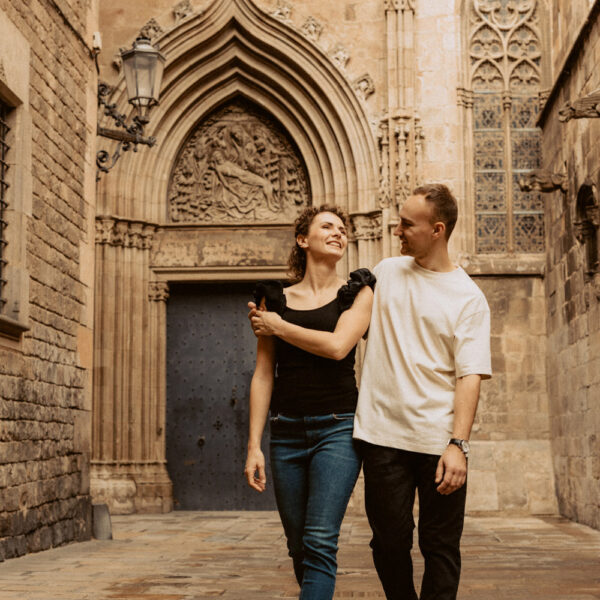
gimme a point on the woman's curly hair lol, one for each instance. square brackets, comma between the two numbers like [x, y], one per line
[297, 258]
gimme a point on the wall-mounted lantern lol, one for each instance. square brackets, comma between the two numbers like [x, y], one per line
[143, 67]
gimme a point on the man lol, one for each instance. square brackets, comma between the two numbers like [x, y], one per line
[428, 349]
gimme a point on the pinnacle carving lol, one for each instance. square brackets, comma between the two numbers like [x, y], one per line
[182, 10]
[340, 56]
[151, 29]
[312, 29]
[364, 86]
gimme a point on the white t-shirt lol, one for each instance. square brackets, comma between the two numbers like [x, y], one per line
[427, 329]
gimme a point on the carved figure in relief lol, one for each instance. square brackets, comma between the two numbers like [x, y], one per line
[540, 180]
[587, 107]
[237, 166]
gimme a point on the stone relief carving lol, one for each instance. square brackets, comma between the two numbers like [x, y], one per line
[340, 56]
[151, 29]
[239, 165]
[582, 108]
[182, 10]
[283, 12]
[312, 29]
[129, 234]
[367, 227]
[158, 291]
[364, 86]
[540, 180]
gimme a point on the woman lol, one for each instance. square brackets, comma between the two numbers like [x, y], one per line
[308, 336]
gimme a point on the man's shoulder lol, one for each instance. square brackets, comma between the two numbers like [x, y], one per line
[471, 293]
[392, 263]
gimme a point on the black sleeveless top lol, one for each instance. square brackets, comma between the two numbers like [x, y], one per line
[306, 384]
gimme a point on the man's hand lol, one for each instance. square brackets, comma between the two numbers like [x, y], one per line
[451, 472]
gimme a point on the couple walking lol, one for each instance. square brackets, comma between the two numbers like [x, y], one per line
[427, 351]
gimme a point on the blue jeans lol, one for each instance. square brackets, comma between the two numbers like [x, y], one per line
[315, 465]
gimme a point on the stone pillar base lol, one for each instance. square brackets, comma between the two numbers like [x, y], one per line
[132, 487]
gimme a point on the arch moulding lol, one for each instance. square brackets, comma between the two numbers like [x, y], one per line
[231, 51]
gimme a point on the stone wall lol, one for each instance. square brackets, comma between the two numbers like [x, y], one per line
[47, 77]
[572, 287]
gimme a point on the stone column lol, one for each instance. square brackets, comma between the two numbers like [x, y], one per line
[128, 457]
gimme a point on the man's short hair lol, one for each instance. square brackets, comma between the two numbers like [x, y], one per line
[445, 208]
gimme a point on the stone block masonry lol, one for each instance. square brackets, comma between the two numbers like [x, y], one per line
[45, 382]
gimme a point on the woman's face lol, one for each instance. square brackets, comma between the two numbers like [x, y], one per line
[327, 236]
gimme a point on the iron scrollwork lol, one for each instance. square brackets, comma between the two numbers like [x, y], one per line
[128, 136]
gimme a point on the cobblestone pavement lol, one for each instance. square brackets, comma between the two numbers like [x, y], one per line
[242, 556]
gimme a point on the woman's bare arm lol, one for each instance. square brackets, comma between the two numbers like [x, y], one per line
[351, 326]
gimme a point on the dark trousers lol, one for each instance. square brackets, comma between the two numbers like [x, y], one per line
[391, 478]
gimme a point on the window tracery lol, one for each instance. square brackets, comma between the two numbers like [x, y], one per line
[505, 56]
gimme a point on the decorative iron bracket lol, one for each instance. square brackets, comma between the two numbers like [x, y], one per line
[131, 135]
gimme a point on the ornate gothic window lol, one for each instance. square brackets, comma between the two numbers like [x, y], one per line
[3, 204]
[505, 75]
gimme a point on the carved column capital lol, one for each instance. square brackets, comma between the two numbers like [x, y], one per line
[125, 233]
[158, 291]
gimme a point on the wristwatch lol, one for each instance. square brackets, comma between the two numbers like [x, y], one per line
[462, 444]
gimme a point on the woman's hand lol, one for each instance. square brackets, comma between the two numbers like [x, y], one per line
[255, 462]
[263, 322]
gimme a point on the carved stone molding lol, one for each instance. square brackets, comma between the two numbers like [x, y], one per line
[182, 10]
[383, 139]
[238, 166]
[404, 161]
[312, 29]
[2, 71]
[541, 180]
[340, 56]
[587, 107]
[464, 97]
[151, 29]
[403, 5]
[128, 234]
[283, 11]
[364, 86]
[367, 226]
[158, 291]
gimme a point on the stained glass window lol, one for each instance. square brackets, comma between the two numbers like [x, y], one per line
[505, 61]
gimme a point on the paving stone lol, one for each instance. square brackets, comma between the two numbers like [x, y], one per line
[242, 556]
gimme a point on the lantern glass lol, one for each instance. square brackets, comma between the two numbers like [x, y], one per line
[143, 67]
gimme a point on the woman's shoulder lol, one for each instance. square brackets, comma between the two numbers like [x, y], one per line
[357, 281]
[272, 292]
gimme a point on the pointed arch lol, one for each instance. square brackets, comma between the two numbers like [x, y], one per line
[234, 49]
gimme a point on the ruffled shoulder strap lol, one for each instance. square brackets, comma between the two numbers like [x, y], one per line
[272, 292]
[358, 280]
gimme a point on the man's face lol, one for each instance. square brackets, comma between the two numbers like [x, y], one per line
[416, 229]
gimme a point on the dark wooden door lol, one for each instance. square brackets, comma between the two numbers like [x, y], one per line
[211, 352]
